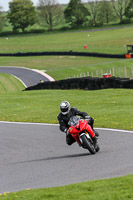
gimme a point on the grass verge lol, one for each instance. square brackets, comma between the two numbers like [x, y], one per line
[9, 84]
[120, 188]
[112, 108]
[105, 41]
[61, 67]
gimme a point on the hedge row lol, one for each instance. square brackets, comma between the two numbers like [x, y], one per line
[65, 53]
[87, 83]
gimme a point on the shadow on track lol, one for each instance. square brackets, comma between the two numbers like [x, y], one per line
[55, 158]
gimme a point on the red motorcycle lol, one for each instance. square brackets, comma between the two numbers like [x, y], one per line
[82, 132]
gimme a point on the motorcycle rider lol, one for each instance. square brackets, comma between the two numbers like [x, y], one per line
[64, 116]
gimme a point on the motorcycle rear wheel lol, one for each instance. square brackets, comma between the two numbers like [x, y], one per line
[87, 144]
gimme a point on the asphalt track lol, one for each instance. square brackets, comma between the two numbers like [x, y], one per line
[36, 155]
[27, 76]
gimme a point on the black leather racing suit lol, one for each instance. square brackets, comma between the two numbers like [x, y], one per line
[64, 119]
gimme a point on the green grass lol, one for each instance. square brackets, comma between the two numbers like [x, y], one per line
[96, 102]
[80, 67]
[61, 67]
[120, 188]
[9, 84]
[106, 41]
[55, 62]
[112, 108]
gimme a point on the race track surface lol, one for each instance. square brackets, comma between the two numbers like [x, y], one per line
[27, 76]
[35, 156]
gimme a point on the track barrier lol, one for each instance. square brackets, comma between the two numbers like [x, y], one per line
[65, 53]
[86, 83]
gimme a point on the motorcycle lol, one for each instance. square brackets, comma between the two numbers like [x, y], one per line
[82, 132]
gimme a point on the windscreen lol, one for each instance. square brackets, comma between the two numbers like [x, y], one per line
[74, 121]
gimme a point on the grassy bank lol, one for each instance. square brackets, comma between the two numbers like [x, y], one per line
[111, 189]
[110, 108]
[55, 62]
[105, 41]
[9, 84]
[61, 67]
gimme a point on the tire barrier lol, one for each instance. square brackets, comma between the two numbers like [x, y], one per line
[86, 83]
[65, 53]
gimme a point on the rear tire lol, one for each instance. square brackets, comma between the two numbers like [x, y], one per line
[87, 144]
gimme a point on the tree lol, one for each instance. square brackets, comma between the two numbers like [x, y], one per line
[51, 12]
[129, 10]
[76, 13]
[21, 14]
[94, 8]
[105, 13]
[2, 19]
[119, 7]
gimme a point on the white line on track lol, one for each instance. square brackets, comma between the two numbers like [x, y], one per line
[19, 80]
[38, 71]
[34, 70]
[46, 124]
[28, 123]
[43, 74]
[118, 130]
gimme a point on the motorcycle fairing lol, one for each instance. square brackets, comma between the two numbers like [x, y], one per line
[83, 125]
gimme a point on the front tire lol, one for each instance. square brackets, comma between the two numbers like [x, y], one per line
[87, 144]
[97, 148]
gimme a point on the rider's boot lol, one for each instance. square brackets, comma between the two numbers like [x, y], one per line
[96, 133]
[80, 145]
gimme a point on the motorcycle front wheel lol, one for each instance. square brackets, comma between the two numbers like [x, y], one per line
[87, 144]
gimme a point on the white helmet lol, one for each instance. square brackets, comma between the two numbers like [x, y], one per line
[65, 107]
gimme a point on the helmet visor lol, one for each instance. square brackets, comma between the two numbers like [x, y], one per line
[64, 110]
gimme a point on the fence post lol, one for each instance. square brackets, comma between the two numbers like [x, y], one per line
[96, 73]
[113, 70]
[131, 72]
[119, 71]
[101, 72]
[125, 69]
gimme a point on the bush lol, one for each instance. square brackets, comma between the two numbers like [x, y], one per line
[125, 21]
